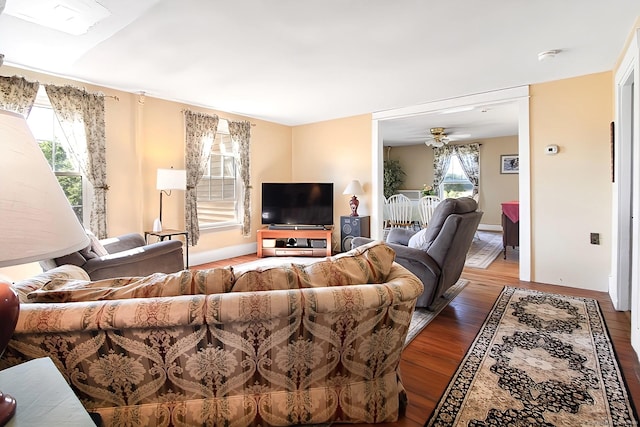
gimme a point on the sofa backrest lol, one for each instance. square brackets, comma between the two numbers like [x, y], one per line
[368, 264]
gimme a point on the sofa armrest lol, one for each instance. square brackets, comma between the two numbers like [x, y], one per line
[123, 243]
[160, 257]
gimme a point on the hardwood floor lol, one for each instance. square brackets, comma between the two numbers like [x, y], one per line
[430, 361]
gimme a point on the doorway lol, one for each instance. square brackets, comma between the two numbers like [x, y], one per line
[518, 95]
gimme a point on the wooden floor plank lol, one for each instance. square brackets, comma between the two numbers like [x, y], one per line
[431, 359]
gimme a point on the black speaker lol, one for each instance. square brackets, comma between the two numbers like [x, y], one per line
[350, 227]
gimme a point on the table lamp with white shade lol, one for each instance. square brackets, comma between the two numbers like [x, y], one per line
[36, 220]
[355, 189]
[167, 180]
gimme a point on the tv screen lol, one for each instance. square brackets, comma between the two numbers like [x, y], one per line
[297, 203]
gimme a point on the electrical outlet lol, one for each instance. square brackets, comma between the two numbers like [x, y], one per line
[595, 238]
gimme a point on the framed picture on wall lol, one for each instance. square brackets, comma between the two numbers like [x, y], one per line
[509, 163]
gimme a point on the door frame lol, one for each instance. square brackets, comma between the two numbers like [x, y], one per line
[624, 158]
[624, 284]
[518, 95]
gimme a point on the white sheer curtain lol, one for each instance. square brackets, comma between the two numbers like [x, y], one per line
[81, 116]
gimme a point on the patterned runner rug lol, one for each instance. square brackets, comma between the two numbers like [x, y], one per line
[539, 359]
[485, 248]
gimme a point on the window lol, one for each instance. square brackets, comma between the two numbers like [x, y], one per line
[218, 189]
[455, 183]
[48, 133]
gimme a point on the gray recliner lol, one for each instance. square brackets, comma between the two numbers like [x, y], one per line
[437, 253]
[123, 256]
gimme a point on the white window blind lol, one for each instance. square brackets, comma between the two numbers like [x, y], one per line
[218, 188]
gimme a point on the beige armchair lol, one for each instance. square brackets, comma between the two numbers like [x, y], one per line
[123, 256]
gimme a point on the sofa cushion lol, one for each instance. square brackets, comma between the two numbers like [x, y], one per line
[62, 273]
[365, 264]
[96, 246]
[185, 282]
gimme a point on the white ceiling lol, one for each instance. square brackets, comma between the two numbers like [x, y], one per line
[295, 62]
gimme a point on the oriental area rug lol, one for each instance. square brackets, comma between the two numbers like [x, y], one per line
[539, 359]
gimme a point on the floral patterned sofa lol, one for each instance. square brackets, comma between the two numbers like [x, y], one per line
[293, 344]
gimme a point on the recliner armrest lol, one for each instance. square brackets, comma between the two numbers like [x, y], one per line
[123, 243]
[400, 236]
[359, 241]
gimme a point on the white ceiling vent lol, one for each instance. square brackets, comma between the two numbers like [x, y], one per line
[69, 16]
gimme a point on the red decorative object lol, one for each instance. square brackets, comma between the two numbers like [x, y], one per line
[512, 210]
[354, 203]
[9, 310]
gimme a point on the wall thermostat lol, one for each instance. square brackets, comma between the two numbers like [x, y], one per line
[551, 149]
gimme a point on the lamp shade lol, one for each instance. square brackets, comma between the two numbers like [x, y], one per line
[171, 179]
[36, 219]
[354, 188]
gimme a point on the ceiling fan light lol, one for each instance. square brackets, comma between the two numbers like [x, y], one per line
[438, 137]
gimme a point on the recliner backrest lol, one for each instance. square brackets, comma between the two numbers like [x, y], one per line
[450, 247]
[444, 209]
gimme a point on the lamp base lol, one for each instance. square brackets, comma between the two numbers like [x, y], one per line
[7, 408]
[157, 225]
[9, 311]
[353, 204]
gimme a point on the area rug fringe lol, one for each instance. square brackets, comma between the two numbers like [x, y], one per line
[539, 359]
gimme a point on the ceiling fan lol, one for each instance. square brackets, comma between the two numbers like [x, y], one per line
[438, 138]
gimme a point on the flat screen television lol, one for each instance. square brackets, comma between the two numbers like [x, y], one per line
[297, 203]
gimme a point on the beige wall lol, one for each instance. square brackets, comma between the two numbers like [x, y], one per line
[335, 151]
[571, 191]
[416, 162]
[495, 188]
[141, 137]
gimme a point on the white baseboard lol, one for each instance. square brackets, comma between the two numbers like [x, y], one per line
[489, 227]
[222, 253]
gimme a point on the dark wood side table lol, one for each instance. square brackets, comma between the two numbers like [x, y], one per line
[43, 396]
[510, 225]
[168, 233]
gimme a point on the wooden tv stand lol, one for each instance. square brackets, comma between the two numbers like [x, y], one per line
[274, 242]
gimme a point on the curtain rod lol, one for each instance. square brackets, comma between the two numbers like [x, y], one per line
[219, 117]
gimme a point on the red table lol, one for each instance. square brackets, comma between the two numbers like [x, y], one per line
[510, 225]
